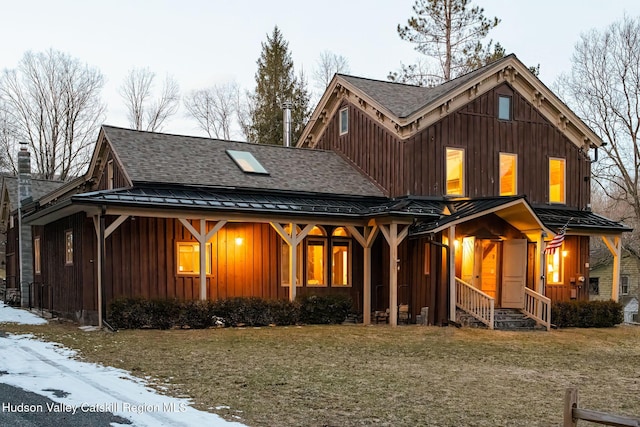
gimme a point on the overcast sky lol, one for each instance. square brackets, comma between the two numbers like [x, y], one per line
[202, 43]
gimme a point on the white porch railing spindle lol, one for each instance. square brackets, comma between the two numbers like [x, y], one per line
[475, 302]
[538, 307]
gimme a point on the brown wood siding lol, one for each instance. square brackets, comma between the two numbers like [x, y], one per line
[476, 129]
[417, 165]
[577, 248]
[368, 145]
[65, 282]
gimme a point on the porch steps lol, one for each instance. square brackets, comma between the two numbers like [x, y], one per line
[505, 319]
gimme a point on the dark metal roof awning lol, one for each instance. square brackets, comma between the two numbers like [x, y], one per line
[578, 221]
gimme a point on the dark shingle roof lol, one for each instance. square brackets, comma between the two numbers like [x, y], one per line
[173, 159]
[39, 188]
[402, 99]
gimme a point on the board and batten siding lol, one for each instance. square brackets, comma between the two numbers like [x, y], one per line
[416, 166]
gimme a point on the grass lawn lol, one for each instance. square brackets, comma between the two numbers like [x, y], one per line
[377, 375]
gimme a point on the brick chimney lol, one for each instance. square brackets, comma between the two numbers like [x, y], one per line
[25, 240]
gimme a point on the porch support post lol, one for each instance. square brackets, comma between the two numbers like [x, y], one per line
[540, 265]
[394, 238]
[102, 233]
[203, 238]
[292, 239]
[452, 273]
[99, 249]
[366, 241]
[615, 248]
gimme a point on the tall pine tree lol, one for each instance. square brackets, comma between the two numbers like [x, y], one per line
[276, 83]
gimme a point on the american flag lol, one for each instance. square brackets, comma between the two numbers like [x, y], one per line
[556, 242]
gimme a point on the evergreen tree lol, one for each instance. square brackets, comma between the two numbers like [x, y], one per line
[276, 83]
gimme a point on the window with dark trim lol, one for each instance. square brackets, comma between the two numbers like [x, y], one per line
[624, 285]
[594, 286]
[504, 107]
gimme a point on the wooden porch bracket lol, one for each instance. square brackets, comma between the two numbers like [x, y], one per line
[393, 238]
[292, 239]
[203, 237]
[615, 247]
[366, 240]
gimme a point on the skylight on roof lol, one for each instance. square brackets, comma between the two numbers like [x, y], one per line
[246, 162]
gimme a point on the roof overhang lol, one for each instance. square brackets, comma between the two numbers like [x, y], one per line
[515, 211]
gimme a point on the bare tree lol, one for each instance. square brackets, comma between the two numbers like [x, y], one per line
[603, 87]
[449, 31]
[52, 102]
[137, 92]
[327, 65]
[215, 109]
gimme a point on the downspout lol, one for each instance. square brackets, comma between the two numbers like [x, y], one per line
[448, 263]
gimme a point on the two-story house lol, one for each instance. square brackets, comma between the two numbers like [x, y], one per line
[441, 197]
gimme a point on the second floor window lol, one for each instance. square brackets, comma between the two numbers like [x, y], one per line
[455, 172]
[508, 174]
[504, 107]
[110, 175]
[344, 121]
[556, 180]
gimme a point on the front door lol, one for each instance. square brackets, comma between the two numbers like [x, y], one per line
[514, 273]
[489, 267]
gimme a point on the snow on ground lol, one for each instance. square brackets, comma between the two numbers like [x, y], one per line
[13, 315]
[50, 370]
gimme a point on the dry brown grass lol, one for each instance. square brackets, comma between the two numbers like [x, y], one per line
[356, 375]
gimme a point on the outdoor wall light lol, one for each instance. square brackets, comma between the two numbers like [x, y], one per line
[238, 241]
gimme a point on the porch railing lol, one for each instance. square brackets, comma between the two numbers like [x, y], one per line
[475, 302]
[538, 307]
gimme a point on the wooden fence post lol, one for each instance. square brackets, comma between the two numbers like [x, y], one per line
[570, 402]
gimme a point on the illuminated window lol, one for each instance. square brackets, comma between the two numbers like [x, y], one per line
[344, 120]
[504, 107]
[110, 175]
[508, 174]
[68, 253]
[555, 266]
[340, 258]
[246, 162]
[556, 180]
[316, 256]
[189, 258]
[284, 264]
[37, 265]
[455, 172]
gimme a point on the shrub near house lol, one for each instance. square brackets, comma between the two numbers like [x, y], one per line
[586, 314]
[136, 313]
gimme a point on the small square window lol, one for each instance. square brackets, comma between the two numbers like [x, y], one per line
[344, 121]
[504, 107]
[189, 258]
